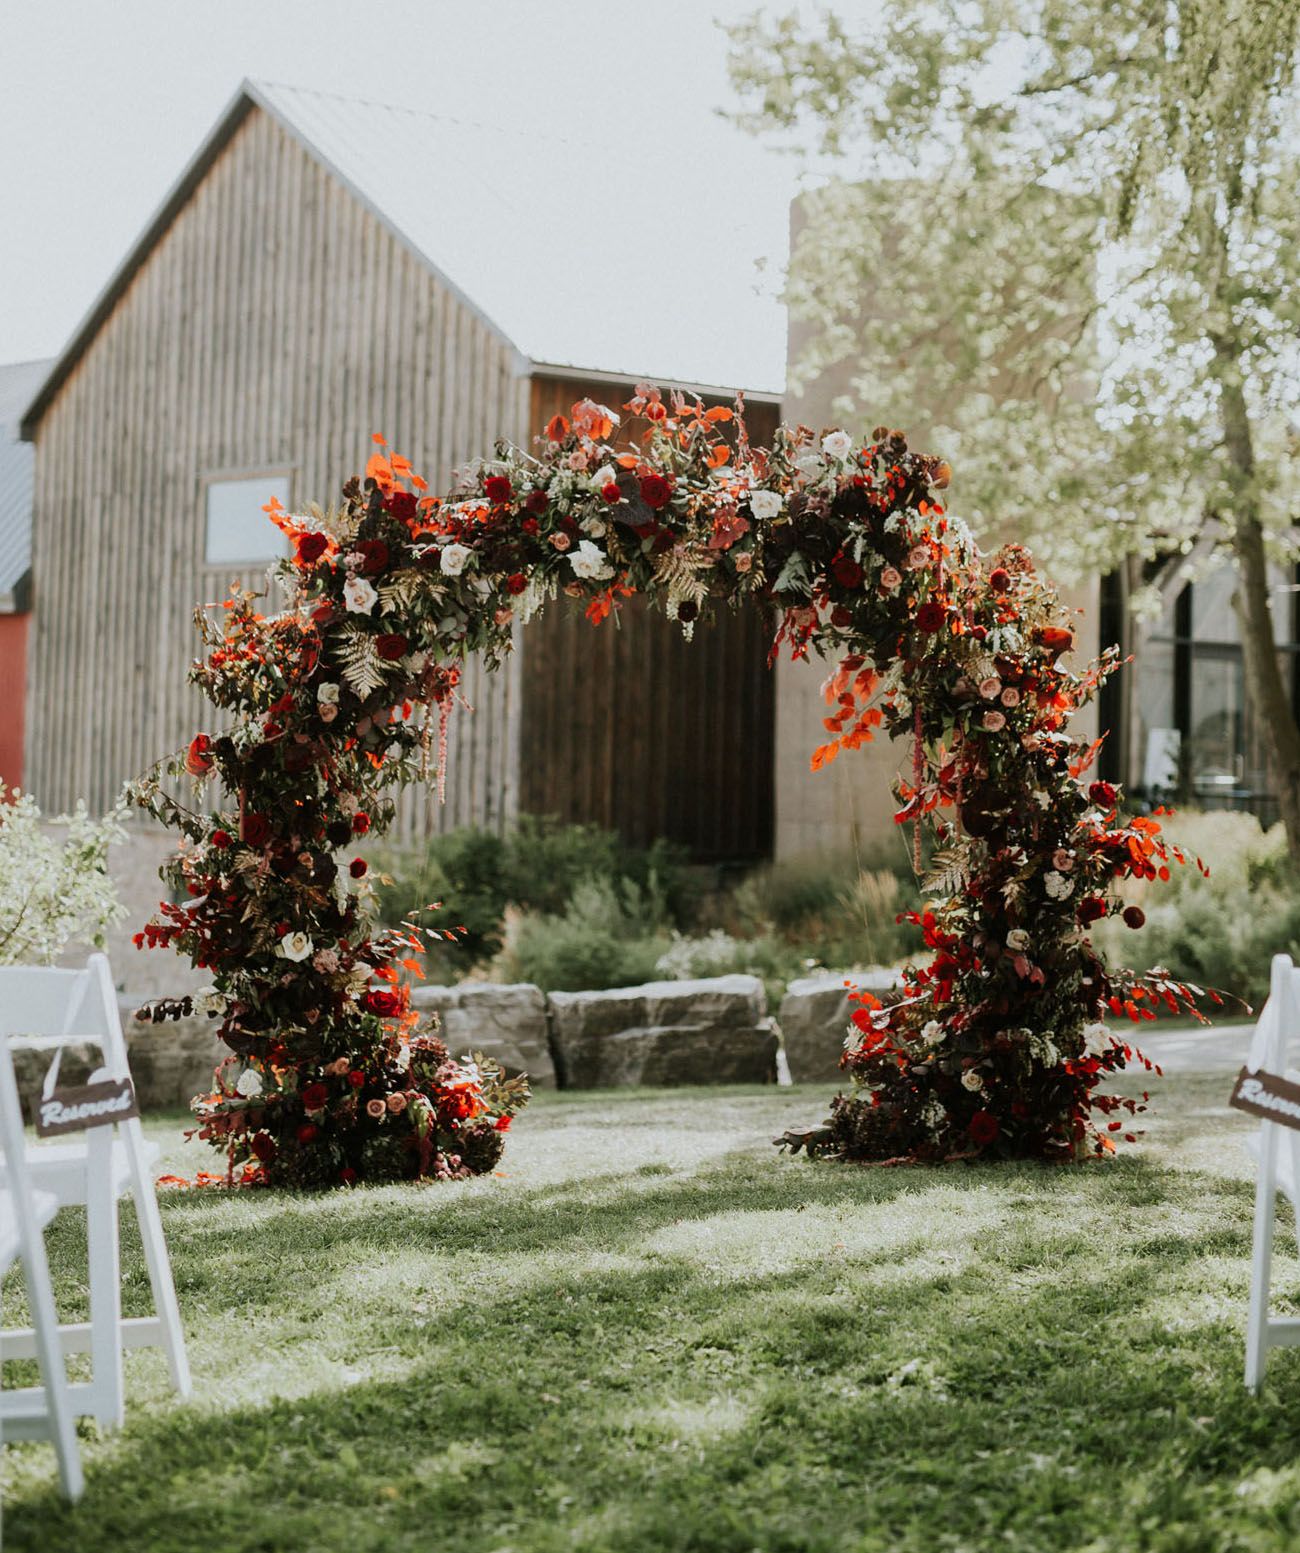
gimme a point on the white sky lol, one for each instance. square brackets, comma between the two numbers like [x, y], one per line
[105, 101]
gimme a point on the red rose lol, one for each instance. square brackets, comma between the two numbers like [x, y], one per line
[537, 502]
[841, 617]
[656, 492]
[529, 526]
[221, 839]
[382, 1002]
[263, 1145]
[311, 547]
[1103, 794]
[402, 505]
[1091, 909]
[323, 614]
[502, 1124]
[307, 1132]
[999, 579]
[356, 1078]
[391, 646]
[516, 582]
[360, 823]
[314, 1096]
[931, 616]
[1134, 916]
[611, 492]
[983, 1128]
[375, 552]
[347, 1175]
[255, 829]
[1056, 639]
[498, 488]
[846, 571]
[357, 867]
[198, 762]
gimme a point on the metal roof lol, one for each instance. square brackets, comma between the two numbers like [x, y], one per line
[18, 382]
[573, 261]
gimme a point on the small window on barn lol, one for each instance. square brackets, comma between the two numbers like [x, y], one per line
[237, 528]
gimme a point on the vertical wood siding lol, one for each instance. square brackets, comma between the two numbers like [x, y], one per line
[275, 326]
[638, 730]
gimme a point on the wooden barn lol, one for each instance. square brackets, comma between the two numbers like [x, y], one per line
[325, 269]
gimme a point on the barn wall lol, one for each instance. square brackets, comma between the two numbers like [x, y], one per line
[13, 680]
[633, 728]
[275, 326]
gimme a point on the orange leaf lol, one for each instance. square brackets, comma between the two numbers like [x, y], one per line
[718, 455]
[378, 438]
[824, 754]
[718, 413]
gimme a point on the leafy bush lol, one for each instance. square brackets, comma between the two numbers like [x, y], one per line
[836, 908]
[717, 953]
[53, 890]
[609, 935]
[537, 868]
[1219, 931]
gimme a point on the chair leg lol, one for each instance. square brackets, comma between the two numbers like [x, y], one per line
[164, 1288]
[54, 1375]
[1261, 1263]
[105, 1300]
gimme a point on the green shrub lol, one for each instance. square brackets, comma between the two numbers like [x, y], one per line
[609, 935]
[835, 908]
[1220, 930]
[717, 953]
[537, 868]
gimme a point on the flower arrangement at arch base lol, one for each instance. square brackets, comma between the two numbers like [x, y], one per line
[997, 1046]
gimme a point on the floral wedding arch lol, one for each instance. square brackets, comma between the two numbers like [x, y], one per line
[996, 1046]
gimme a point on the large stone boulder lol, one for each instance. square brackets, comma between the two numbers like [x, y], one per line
[712, 1031]
[506, 1022]
[814, 1020]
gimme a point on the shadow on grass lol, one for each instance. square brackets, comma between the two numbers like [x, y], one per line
[741, 1357]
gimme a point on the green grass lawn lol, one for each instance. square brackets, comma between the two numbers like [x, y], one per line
[652, 1332]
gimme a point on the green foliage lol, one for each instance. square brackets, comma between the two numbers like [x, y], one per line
[717, 953]
[1222, 930]
[609, 935]
[1086, 216]
[537, 868]
[653, 1336]
[838, 909]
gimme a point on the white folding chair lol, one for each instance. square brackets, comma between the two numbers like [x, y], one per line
[44, 1411]
[48, 1010]
[1277, 1150]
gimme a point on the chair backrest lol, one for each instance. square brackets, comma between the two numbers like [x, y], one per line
[53, 1008]
[1279, 1019]
[13, 1145]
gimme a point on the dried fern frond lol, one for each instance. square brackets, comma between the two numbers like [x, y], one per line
[362, 667]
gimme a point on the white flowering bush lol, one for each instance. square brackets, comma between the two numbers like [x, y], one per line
[53, 888]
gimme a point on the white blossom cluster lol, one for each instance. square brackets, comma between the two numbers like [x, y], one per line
[54, 889]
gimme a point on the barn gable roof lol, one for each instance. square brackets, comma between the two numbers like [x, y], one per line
[18, 382]
[538, 237]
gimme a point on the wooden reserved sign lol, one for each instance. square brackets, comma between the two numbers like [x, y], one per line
[1265, 1094]
[76, 1107]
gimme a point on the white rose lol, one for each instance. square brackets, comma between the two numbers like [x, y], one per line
[452, 559]
[295, 946]
[594, 527]
[765, 504]
[837, 444]
[208, 1001]
[972, 1081]
[1017, 939]
[932, 1032]
[327, 695]
[359, 596]
[588, 560]
[604, 476]
[1096, 1038]
[249, 1084]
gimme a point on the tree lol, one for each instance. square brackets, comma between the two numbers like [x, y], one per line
[1087, 214]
